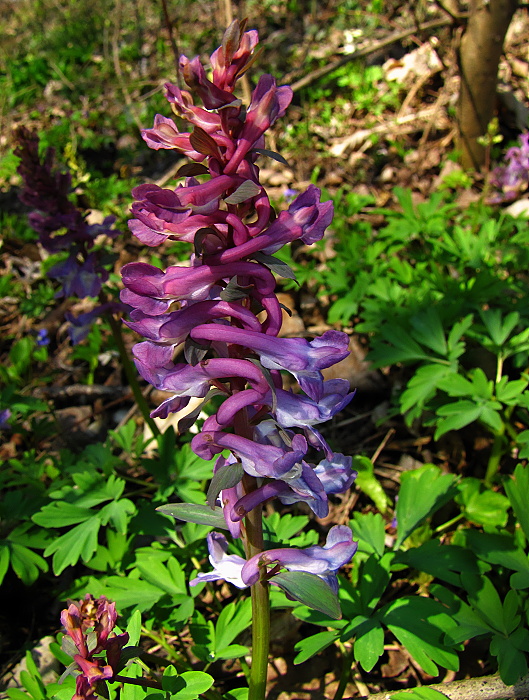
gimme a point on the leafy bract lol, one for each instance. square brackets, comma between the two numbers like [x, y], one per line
[310, 590]
[194, 513]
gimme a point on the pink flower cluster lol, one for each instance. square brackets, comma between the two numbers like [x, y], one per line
[96, 649]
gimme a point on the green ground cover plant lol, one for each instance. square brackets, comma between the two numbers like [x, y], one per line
[437, 292]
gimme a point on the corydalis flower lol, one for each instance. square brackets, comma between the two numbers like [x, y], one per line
[89, 626]
[513, 178]
[61, 226]
[224, 313]
[321, 561]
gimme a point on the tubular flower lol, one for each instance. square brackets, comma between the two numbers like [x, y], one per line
[222, 310]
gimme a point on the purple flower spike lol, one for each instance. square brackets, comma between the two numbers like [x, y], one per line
[322, 561]
[268, 104]
[225, 309]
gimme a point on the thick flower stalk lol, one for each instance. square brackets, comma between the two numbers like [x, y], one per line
[62, 227]
[213, 327]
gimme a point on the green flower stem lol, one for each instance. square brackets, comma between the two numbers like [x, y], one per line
[347, 660]
[253, 542]
[260, 610]
[495, 456]
[448, 524]
[131, 374]
[175, 658]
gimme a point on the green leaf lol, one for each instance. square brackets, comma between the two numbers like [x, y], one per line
[500, 550]
[154, 571]
[456, 385]
[420, 624]
[517, 488]
[421, 693]
[169, 679]
[118, 513]
[224, 478]
[369, 528]
[33, 685]
[203, 633]
[459, 414]
[61, 514]
[17, 694]
[481, 505]
[485, 600]
[456, 333]
[233, 651]
[310, 646]
[368, 483]
[194, 683]
[128, 592]
[4, 559]
[373, 581]
[199, 514]
[232, 621]
[134, 628]
[423, 386]
[511, 605]
[401, 348]
[508, 392]
[79, 543]
[512, 661]
[369, 644]
[236, 694]
[423, 491]
[310, 590]
[499, 329]
[444, 561]
[26, 563]
[428, 330]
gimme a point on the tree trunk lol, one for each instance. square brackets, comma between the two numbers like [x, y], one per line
[479, 57]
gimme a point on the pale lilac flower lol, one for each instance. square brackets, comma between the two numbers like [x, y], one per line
[322, 561]
[226, 567]
[5, 415]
